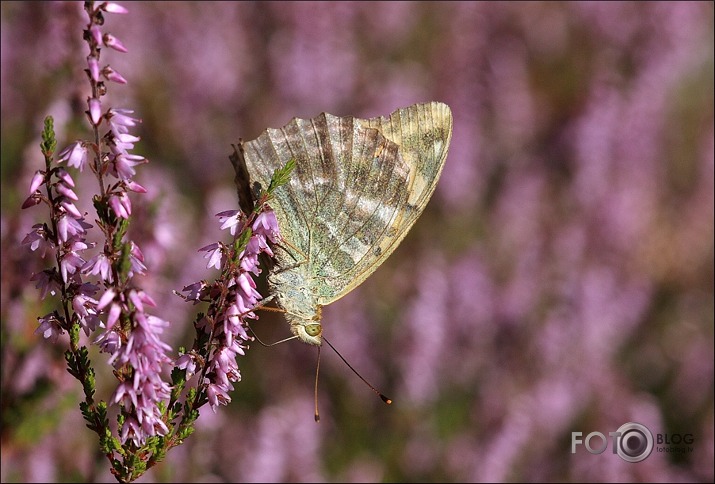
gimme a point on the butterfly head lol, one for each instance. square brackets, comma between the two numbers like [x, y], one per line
[309, 333]
[308, 330]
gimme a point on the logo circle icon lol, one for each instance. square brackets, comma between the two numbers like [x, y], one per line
[634, 443]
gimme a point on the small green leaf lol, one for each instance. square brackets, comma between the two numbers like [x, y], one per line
[281, 176]
[125, 263]
[49, 143]
[242, 241]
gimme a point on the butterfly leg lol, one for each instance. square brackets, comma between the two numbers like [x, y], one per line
[293, 256]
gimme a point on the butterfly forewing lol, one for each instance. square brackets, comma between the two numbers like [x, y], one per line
[422, 133]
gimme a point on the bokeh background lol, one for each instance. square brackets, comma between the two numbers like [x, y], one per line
[560, 280]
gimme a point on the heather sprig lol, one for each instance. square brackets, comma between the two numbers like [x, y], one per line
[98, 296]
[97, 291]
[222, 333]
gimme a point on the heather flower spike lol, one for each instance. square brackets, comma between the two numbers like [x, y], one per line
[226, 317]
[94, 281]
[99, 298]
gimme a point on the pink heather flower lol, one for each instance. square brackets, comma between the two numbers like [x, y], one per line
[244, 306]
[109, 342]
[79, 244]
[147, 414]
[257, 244]
[63, 189]
[144, 350]
[123, 164]
[37, 239]
[131, 430]
[187, 362]
[86, 309]
[139, 298]
[65, 177]
[95, 110]
[125, 393]
[31, 201]
[216, 395]
[238, 348]
[249, 261]
[68, 226]
[136, 251]
[49, 327]
[125, 141]
[70, 263]
[106, 298]
[99, 265]
[70, 208]
[135, 263]
[75, 155]
[93, 67]
[96, 34]
[46, 282]
[230, 219]
[82, 304]
[152, 424]
[121, 205]
[147, 299]
[37, 180]
[113, 315]
[248, 286]
[112, 75]
[231, 333]
[267, 224]
[63, 228]
[232, 324]
[90, 323]
[136, 267]
[196, 291]
[111, 7]
[153, 326]
[134, 187]
[120, 120]
[214, 253]
[225, 367]
[114, 43]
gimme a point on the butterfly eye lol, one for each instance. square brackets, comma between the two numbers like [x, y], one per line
[313, 329]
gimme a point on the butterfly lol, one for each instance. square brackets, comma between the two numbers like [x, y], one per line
[357, 188]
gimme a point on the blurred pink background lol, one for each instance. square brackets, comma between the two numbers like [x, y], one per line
[560, 280]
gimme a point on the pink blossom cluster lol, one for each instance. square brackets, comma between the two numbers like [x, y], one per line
[227, 324]
[144, 353]
[65, 238]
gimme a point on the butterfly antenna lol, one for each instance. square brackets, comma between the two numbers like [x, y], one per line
[382, 397]
[317, 371]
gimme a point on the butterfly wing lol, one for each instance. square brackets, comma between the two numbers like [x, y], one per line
[357, 188]
[423, 132]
